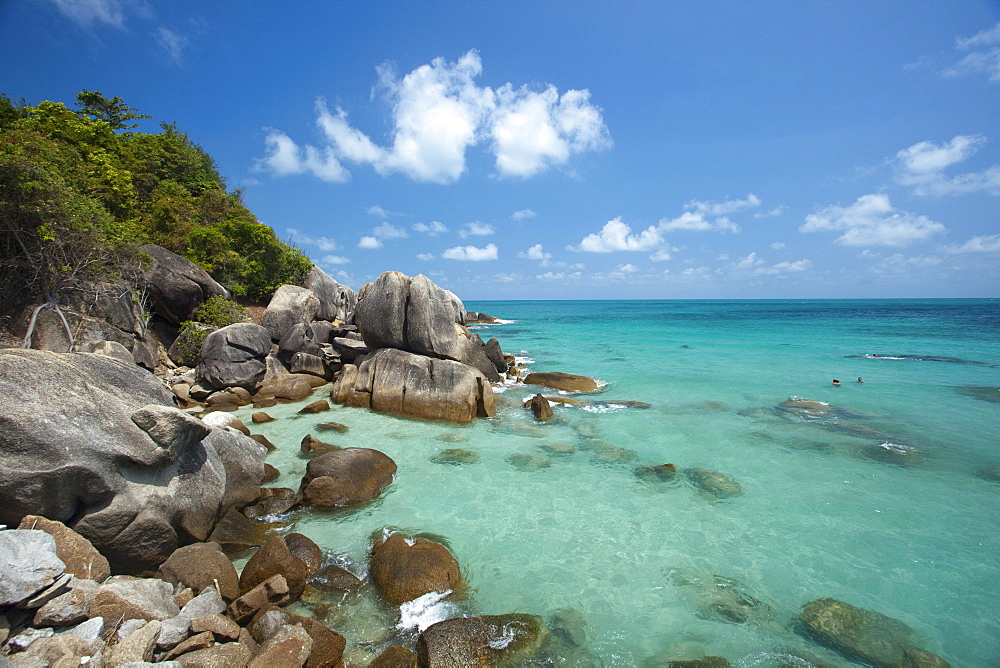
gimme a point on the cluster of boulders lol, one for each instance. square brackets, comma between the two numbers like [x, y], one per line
[60, 605]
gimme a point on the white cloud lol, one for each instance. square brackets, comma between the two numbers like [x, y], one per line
[86, 13]
[776, 211]
[724, 207]
[785, 267]
[535, 253]
[922, 166]
[617, 236]
[376, 210]
[325, 244]
[438, 112]
[172, 42]
[558, 276]
[476, 229]
[284, 158]
[749, 262]
[696, 222]
[989, 243]
[523, 214]
[507, 278]
[983, 54]
[663, 254]
[425, 256]
[432, 228]
[533, 130]
[369, 243]
[471, 253]
[628, 268]
[778, 245]
[899, 263]
[335, 259]
[388, 231]
[872, 221]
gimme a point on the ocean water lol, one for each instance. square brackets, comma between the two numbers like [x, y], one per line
[874, 502]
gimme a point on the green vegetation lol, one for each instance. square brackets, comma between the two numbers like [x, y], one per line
[215, 313]
[80, 191]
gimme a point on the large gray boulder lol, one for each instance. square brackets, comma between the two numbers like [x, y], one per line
[418, 316]
[408, 385]
[235, 356]
[290, 305]
[336, 302]
[95, 443]
[177, 286]
[28, 562]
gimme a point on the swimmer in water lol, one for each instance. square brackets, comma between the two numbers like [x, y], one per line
[859, 379]
[836, 382]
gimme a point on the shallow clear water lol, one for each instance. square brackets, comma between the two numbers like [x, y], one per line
[825, 512]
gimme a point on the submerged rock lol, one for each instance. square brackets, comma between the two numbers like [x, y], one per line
[892, 453]
[721, 598]
[523, 461]
[713, 482]
[806, 409]
[989, 474]
[558, 380]
[455, 456]
[865, 634]
[495, 640]
[657, 473]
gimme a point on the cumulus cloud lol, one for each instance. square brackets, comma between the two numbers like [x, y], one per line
[369, 243]
[872, 221]
[389, 231]
[724, 207]
[559, 276]
[778, 245]
[922, 167]
[87, 13]
[617, 236]
[425, 256]
[785, 267]
[535, 253]
[471, 253]
[476, 229]
[433, 228]
[532, 131]
[989, 243]
[663, 254]
[284, 158]
[628, 268]
[335, 259]
[325, 244]
[172, 42]
[523, 214]
[982, 55]
[438, 113]
[697, 222]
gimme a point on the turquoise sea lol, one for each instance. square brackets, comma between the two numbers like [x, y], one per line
[875, 502]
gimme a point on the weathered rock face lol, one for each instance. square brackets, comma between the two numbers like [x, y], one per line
[401, 383]
[29, 563]
[865, 634]
[494, 640]
[540, 407]
[558, 380]
[415, 315]
[404, 570]
[336, 302]
[347, 476]
[271, 559]
[234, 356]
[177, 286]
[289, 306]
[79, 555]
[95, 443]
[105, 312]
[201, 565]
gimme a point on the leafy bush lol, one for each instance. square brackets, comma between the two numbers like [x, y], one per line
[218, 312]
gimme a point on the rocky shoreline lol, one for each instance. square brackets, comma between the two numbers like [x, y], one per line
[132, 487]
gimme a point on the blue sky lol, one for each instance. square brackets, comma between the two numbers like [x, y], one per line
[584, 150]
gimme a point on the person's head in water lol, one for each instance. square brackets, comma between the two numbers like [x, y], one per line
[836, 382]
[859, 379]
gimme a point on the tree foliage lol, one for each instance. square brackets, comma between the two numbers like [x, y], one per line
[78, 196]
